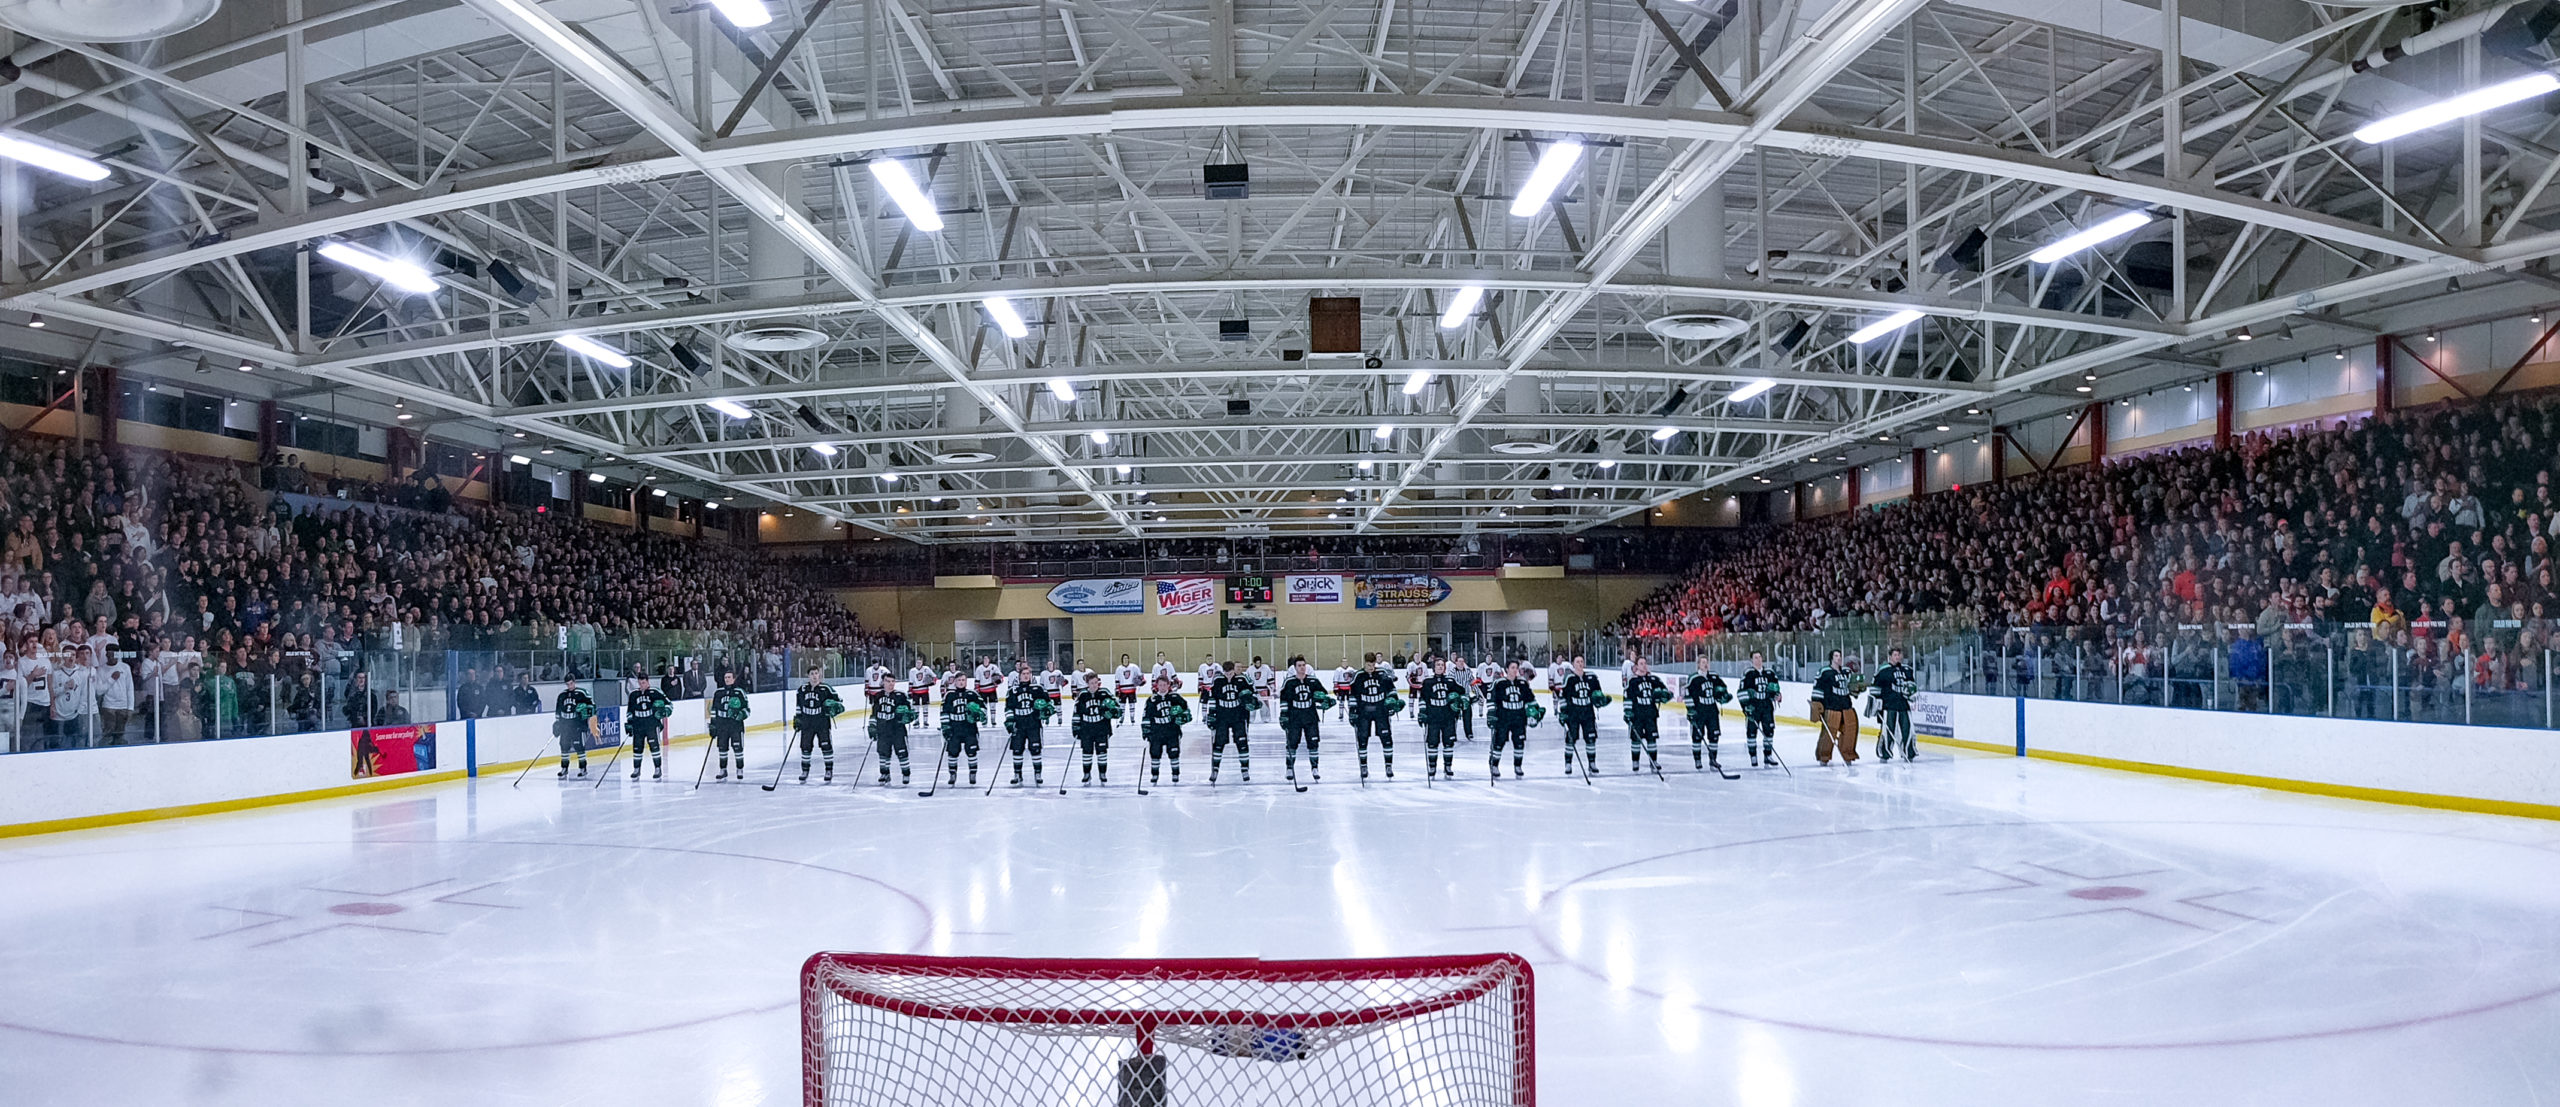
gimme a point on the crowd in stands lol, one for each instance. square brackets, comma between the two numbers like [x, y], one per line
[2417, 542]
[147, 594]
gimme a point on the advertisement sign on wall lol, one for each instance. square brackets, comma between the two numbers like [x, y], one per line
[1114, 596]
[1315, 588]
[1187, 596]
[392, 750]
[1250, 623]
[1933, 714]
[1398, 590]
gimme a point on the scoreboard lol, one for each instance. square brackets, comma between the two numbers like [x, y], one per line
[1251, 588]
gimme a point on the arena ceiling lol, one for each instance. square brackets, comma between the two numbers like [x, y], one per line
[659, 181]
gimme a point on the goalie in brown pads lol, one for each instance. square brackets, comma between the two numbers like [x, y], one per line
[1835, 692]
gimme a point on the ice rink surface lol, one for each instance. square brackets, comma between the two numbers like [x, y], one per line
[1969, 929]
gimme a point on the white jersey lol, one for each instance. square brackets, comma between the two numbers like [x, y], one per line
[1052, 680]
[1556, 674]
[1488, 672]
[1164, 671]
[988, 674]
[876, 677]
[1126, 676]
[1084, 677]
[1262, 676]
[1210, 671]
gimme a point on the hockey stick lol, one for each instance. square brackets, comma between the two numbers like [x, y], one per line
[940, 760]
[706, 762]
[778, 768]
[609, 763]
[537, 759]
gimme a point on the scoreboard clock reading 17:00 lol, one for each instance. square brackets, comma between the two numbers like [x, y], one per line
[1250, 588]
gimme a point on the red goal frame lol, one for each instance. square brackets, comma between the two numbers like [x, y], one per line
[1143, 1023]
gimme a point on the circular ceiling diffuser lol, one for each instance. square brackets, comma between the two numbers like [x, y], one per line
[774, 340]
[1523, 447]
[105, 20]
[964, 457]
[1697, 326]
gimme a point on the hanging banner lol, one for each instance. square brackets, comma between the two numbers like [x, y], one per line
[392, 750]
[1398, 590]
[1249, 623]
[1113, 596]
[1187, 596]
[1314, 588]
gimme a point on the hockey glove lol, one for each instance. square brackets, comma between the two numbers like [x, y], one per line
[1537, 714]
[1599, 700]
[1394, 704]
[1324, 700]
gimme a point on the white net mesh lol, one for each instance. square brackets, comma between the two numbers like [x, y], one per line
[888, 1031]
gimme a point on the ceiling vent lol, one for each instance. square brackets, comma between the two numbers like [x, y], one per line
[774, 340]
[105, 20]
[1697, 326]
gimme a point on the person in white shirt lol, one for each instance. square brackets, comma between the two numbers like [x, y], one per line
[920, 683]
[1083, 675]
[35, 696]
[115, 700]
[1124, 686]
[875, 682]
[1557, 670]
[1210, 671]
[1051, 680]
[1164, 670]
[990, 677]
[75, 701]
[1266, 686]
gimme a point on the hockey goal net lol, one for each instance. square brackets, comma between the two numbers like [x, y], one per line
[882, 1030]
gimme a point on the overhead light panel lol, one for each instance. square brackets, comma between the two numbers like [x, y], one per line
[1607, 463]
[1885, 326]
[823, 449]
[579, 343]
[743, 14]
[1553, 164]
[595, 478]
[1100, 438]
[1124, 470]
[903, 190]
[50, 159]
[1664, 434]
[2447, 110]
[890, 477]
[731, 408]
[520, 459]
[1749, 390]
[1007, 320]
[1462, 304]
[1367, 465]
[1421, 379]
[403, 275]
[1065, 392]
[2115, 227]
[1384, 431]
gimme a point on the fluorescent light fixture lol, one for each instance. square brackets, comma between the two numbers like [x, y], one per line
[731, 408]
[1553, 164]
[1421, 379]
[595, 478]
[1065, 392]
[1665, 434]
[2115, 227]
[823, 449]
[1607, 463]
[743, 14]
[520, 459]
[910, 198]
[1367, 465]
[1007, 319]
[1462, 304]
[1384, 431]
[580, 343]
[1101, 438]
[1749, 390]
[889, 477]
[402, 275]
[1885, 326]
[47, 158]
[660, 493]
[1124, 470]
[2447, 110]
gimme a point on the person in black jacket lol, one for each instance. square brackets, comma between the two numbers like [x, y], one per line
[1705, 693]
[573, 721]
[1303, 700]
[1894, 686]
[644, 722]
[1759, 696]
[962, 710]
[1373, 704]
[1026, 706]
[1230, 703]
[1440, 699]
[727, 717]
[1510, 704]
[1646, 693]
[523, 699]
[1835, 698]
[1161, 725]
[814, 707]
[889, 721]
[1578, 703]
[1095, 710]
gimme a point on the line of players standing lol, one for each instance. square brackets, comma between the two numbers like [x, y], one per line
[1445, 691]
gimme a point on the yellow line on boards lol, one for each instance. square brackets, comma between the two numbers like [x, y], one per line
[342, 791]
